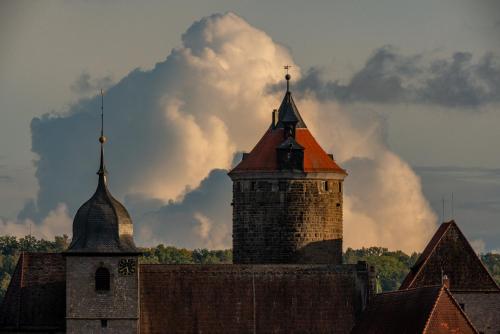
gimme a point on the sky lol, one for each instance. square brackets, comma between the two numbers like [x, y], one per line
[405, 94]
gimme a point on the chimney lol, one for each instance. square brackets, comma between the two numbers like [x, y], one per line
[446, 282]
[274, 119]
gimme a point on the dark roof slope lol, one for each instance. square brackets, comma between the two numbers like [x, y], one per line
[450, 253]
[421, 310]
[482, 308]
[36, 296]
[249, 298]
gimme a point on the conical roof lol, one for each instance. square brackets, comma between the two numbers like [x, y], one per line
[263, 157]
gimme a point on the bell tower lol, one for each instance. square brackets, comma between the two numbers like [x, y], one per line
[102, 274]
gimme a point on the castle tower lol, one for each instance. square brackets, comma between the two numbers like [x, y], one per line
[287, 196]
[102, 275]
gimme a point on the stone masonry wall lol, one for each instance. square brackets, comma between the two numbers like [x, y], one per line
[287, 221]
[85, 308]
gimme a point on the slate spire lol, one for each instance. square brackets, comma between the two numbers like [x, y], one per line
[288, 114]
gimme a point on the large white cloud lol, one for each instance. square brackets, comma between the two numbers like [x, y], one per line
[170, 126]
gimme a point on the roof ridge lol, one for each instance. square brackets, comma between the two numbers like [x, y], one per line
[408, 290]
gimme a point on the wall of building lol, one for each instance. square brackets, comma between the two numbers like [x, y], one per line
[85, 307]
[287, 221]
[251, 298]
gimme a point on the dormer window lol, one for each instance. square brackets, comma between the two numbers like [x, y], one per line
[102, 279]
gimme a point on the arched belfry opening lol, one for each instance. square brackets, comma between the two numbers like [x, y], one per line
[102, 279]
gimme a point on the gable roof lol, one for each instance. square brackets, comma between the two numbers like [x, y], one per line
[263, 156]
[429, 309]
[449, 252]
[36, 297]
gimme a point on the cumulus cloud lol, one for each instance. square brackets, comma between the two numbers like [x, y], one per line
[57, 222]
[173, 132]
[391, 77]
[85, 84]
[201, 219]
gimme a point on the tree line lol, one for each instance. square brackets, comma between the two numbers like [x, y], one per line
[392, 266]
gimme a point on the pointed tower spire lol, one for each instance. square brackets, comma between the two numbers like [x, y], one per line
[102, 139]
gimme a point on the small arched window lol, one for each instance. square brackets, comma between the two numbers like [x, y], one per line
[102, 279]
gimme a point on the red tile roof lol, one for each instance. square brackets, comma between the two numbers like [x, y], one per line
[422, 310]
[263, 156]
[450, 253]
[36, 297]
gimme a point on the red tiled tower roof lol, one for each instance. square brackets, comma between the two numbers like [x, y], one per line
[264, 157]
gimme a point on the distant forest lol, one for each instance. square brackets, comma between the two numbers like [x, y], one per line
[392, 266]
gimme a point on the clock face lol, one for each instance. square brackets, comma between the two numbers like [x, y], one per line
[126, 267]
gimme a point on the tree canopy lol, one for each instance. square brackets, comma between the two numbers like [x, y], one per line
[391, 266]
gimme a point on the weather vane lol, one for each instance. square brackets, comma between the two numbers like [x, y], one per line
[287, 77]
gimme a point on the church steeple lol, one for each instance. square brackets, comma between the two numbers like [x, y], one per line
[102, 172]
[102, 224]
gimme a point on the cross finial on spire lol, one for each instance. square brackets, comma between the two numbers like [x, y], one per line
[287, 77]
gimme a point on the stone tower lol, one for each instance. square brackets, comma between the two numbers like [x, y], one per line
[102, 276]
[287, 196]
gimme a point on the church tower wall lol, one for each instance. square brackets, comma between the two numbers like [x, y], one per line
[110, 311]
[287, 220]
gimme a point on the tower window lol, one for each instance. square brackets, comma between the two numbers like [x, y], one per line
[102, 279]
[324, 185]
[104, 323]
[252, 186]
[340, 187]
